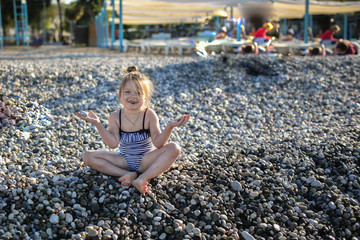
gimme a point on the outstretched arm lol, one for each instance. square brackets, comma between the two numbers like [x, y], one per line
[110, 137]
[161, 138]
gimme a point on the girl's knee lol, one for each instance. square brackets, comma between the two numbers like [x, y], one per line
[174, 148]
[87, 158]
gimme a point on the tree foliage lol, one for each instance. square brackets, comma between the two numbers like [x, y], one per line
[84, 11]
[74, 12]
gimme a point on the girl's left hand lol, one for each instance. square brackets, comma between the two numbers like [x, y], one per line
[92, 118]
[180, 121]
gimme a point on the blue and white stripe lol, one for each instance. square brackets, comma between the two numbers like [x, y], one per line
[134, 145]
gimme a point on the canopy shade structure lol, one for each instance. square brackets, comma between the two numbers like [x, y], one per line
[296, 8]
[165, 12]
[152, 20]
[316, 7]
[191, 11]
[145, 6]
[220, 2]
[156, 17]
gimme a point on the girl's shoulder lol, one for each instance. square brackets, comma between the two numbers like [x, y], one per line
[151, 118]
[115, 113]
[114, 118]
[150, 113]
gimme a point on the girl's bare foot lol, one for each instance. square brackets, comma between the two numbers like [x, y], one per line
[127, 179]
[140, 184]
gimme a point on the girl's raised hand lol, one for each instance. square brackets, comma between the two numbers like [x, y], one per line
[180, 121]
[92, 118]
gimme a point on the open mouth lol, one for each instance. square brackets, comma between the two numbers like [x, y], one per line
[132, 102]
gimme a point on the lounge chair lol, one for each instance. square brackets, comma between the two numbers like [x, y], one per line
[137, 44]
[180, 45]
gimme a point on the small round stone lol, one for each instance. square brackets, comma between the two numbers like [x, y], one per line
[54, 219]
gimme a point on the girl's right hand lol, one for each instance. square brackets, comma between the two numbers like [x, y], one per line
[180, 121]
[92, 118]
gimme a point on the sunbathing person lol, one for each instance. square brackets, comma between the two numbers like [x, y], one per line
[289, 36]
[317, 51]
[222, 33]
[310, 34]
[344, 47]
[249, 48]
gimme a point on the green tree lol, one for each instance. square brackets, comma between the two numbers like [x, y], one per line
[90, 9]
[74, 12]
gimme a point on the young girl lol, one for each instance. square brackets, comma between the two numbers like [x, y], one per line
[261, 32]
[328, 36]
[144, 150]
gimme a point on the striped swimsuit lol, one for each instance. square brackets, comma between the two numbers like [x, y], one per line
[134, 145]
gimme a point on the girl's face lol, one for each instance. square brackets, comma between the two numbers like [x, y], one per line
[131, 98]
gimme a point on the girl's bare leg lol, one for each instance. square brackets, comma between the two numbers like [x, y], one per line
[155, 163]
[110, 163]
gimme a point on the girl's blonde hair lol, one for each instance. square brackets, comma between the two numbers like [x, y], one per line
[142, 83]
[335, 28]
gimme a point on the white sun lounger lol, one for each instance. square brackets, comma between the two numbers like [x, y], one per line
[137, 44]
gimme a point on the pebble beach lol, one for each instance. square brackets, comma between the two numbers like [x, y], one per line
[271, 150]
